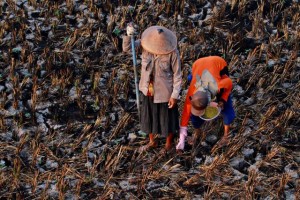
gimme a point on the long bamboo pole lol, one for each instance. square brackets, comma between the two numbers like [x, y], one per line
[135, 75]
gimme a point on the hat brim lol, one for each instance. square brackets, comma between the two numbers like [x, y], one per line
[196, 112]
[158, 43]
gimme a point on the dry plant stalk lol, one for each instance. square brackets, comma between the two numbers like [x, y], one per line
[208, 172]
[44, 192]
[34, 181]
[2, 123]
[36, 150]
[34, 97]
[61, 184]
[285, 178]
[251, 184]
[16, 91]
[87, 128]
[122, 123]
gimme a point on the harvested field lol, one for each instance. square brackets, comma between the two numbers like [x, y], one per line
[69, 127]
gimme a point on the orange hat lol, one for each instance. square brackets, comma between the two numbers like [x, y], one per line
[199, 101]
[158, 40]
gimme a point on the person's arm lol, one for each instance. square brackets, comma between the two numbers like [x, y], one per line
[185, 117]
[186, 113]
[225, 86]
[177, 74]
[126, 45]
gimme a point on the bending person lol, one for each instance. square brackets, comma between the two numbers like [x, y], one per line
[210, 80]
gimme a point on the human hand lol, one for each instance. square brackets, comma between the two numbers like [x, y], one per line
[182, 136]
[130, 29]
[221, 105]
[172, 102]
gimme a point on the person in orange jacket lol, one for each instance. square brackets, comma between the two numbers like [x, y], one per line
[210, 80]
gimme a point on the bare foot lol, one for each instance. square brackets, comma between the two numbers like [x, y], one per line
[168, 147]
[163, 152]
[190, 140]
[150, 145]
[196, 135]
[153, 144]
[179, 151]
[224, 141]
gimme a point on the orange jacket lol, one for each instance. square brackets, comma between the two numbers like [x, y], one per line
[214, 65]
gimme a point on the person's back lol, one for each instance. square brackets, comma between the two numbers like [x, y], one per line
[214, 64]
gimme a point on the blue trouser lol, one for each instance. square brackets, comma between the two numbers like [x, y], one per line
[227, 113]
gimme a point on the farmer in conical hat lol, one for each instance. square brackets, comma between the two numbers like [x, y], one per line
[210, 80]
[160, 82]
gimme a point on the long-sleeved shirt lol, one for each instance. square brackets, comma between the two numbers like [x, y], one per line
[166, 71]
[211, 72]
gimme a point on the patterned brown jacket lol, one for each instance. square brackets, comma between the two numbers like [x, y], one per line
[165, 68]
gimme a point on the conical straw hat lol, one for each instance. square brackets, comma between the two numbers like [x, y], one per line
[158, 40]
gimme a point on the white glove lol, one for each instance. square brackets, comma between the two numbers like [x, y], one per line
[182, 136]
[130, 29]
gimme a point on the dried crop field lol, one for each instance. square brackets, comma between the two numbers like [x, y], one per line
[68, 120]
